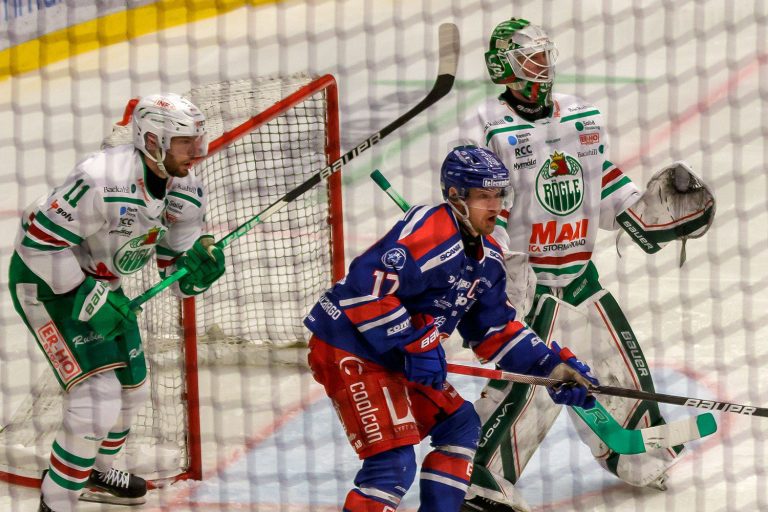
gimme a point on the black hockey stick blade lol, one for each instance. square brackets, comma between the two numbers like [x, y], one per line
[448, 60]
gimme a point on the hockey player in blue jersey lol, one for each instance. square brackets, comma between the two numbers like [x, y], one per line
[376, 344]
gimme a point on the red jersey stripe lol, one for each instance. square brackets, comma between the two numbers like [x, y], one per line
[611, 175]
[371, 310]
[496, 245]
[161, 263]
[560, 260]
[493, 343]
[45, 237]
[438, 228]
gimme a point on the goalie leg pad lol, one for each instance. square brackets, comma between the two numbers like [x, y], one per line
[598, 331]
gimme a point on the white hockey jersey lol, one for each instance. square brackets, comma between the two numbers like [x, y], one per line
[564, 186]
[103, 221]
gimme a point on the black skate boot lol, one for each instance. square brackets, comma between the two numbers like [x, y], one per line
[115, 486]
[43, 507]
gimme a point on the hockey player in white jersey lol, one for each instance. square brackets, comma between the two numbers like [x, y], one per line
[116, 210]
[565, 188]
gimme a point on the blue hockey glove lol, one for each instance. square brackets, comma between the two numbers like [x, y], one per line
[576, 371]
[424, 358]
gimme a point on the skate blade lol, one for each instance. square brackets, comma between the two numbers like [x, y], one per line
[105, 497]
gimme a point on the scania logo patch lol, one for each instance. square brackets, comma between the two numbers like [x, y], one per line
[560, 184]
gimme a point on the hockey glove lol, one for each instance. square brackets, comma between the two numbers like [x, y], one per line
[205, 263]
[424, 361]
[576, 371]
[105, 311]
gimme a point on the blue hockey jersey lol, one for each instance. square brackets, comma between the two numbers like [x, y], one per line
[420, 267]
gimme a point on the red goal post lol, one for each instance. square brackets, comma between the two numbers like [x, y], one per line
[269, 135]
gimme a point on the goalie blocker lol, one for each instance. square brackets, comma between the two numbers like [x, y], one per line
[676, 205]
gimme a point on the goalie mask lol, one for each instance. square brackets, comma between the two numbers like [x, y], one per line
[522, 56]
[166, 116]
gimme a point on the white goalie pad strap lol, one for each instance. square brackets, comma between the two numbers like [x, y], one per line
[676, 205]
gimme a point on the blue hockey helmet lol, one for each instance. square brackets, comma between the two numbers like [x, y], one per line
[468, 167]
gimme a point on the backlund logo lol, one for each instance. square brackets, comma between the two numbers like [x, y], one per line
[560, 184]
[61, 357]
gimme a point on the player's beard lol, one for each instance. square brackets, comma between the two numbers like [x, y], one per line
[485, 222]
[174, 168]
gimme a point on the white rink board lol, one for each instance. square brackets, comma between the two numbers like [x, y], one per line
[703, 326]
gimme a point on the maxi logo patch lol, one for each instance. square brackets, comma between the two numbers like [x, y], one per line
[560, 184]
[136, 252]
[61, 357]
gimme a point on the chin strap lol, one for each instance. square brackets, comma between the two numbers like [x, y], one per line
[463, 217]
[159, 157]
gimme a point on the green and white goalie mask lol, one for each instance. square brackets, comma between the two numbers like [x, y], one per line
[676, 205]
[522, 56]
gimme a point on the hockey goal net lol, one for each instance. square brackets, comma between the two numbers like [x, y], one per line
[268, 136]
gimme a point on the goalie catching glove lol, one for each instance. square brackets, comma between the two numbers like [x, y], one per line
[205, 263]
[424, 358]
[677, 205]
[106, 312]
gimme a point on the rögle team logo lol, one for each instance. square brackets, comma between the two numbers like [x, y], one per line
[560, 184]
[136, 252]
[394, 258]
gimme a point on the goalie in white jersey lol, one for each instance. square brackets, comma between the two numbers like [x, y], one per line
[565, 188]
[116, 210]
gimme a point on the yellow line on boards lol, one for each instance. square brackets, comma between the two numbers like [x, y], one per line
[110, 29]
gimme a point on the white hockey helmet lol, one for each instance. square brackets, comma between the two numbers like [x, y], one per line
[168, 115]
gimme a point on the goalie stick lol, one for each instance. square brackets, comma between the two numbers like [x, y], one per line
[598, 419]
[446, 74]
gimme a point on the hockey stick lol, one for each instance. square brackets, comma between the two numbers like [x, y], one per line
[598, 419]
[637, 394]
[604, 425]
[446, 74]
